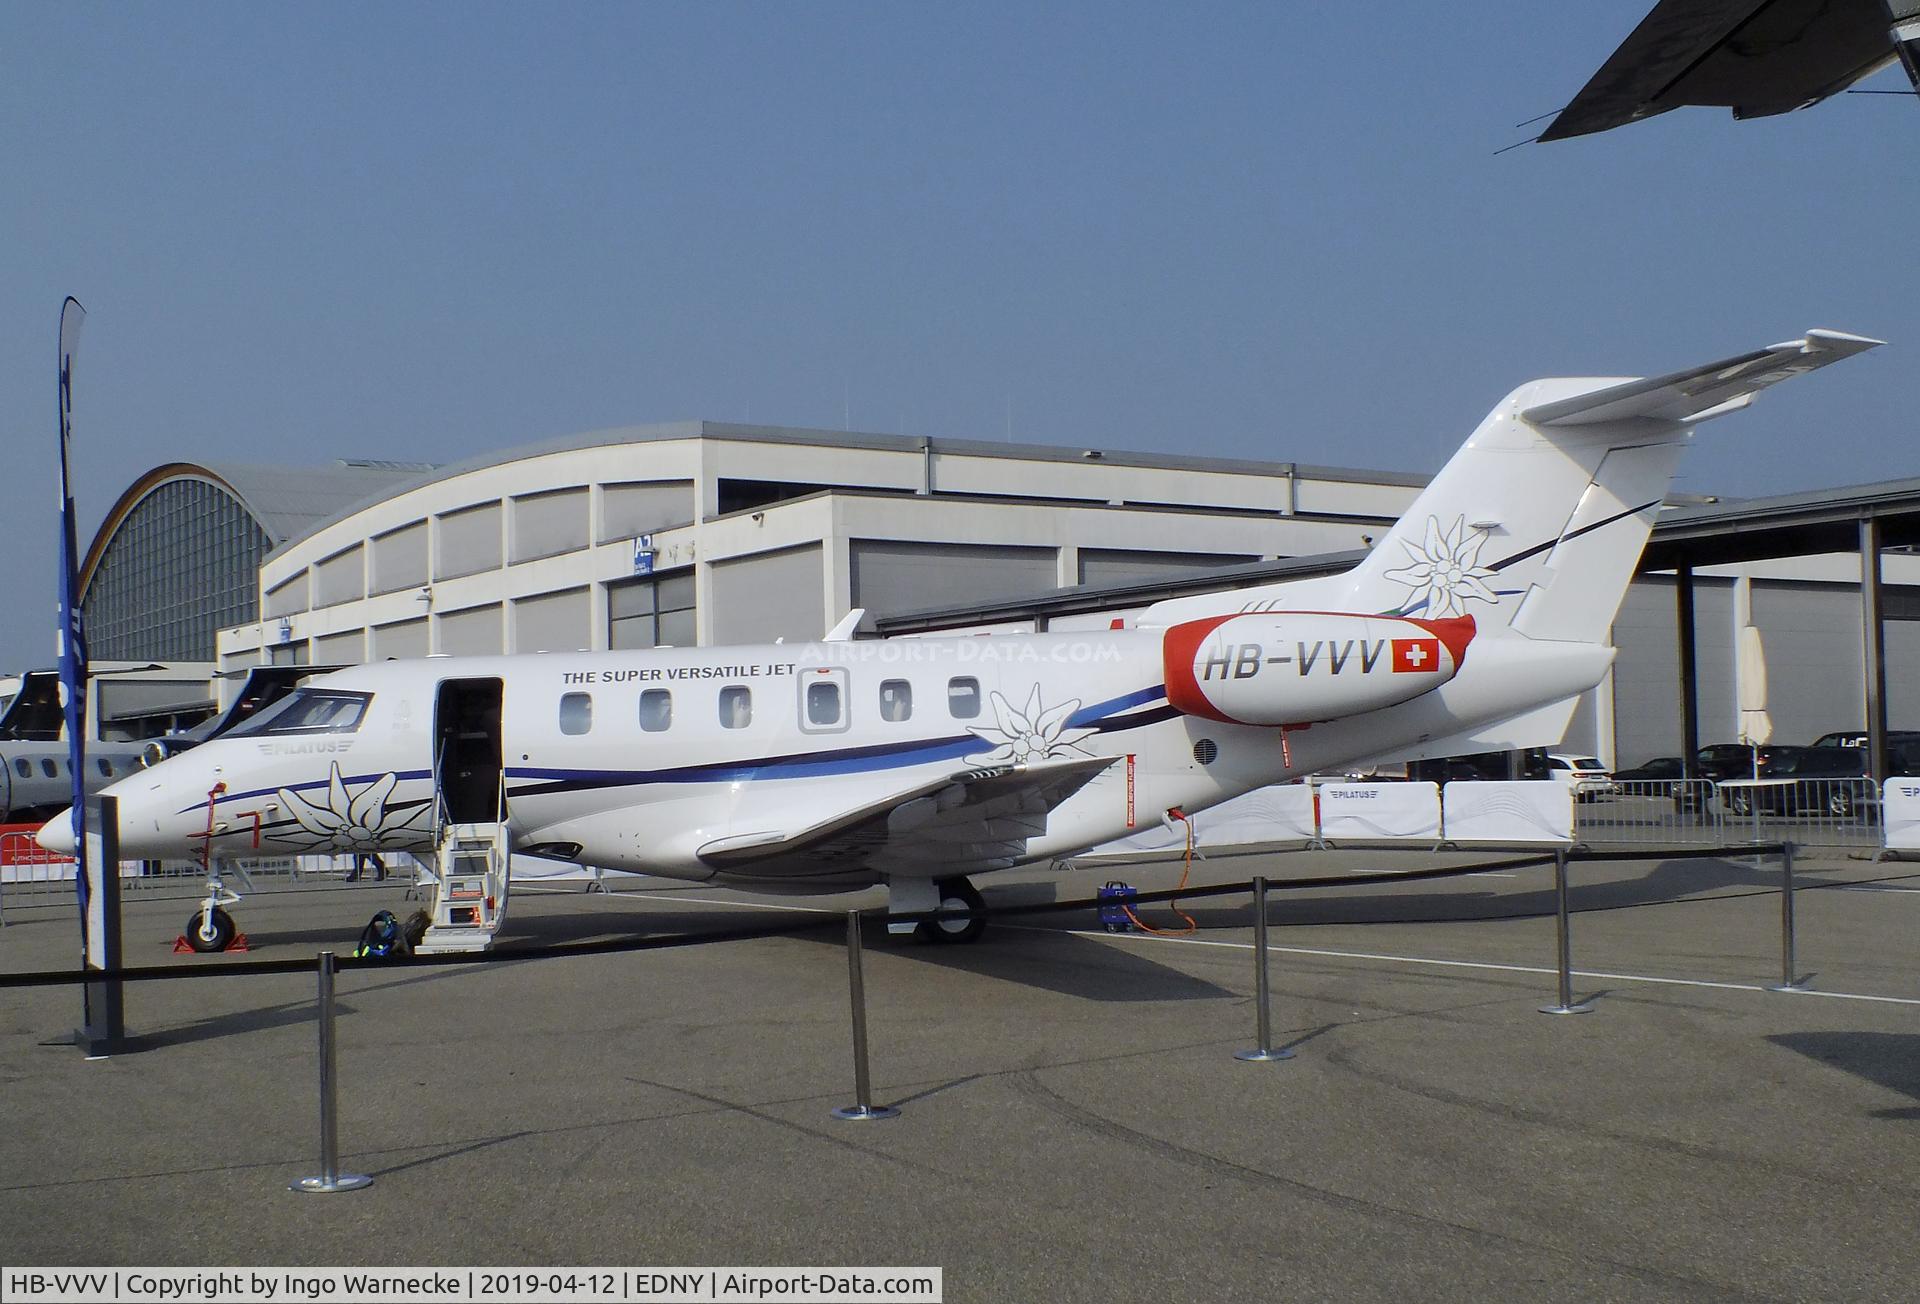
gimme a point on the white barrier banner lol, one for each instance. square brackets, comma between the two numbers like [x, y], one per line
[1529, 811]
[1900, 812]
[1370, 812]
[1281, 813]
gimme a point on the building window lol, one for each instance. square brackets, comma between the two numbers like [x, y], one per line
[896, 700]
[963, 698]
[653, 612]
[576, 712]
[736, 706]
[656, 710]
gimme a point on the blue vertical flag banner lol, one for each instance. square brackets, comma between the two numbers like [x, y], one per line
[73, 638]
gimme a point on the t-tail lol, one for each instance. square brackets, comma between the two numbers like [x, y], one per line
[1538, 522]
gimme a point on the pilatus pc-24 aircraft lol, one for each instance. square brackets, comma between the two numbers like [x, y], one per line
[917, 764]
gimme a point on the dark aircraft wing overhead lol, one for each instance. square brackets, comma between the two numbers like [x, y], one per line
[968, 822]
[1756, 57]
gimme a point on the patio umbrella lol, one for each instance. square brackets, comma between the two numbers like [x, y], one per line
[1755, 726]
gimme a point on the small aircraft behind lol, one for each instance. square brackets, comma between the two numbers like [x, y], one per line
[915, 764]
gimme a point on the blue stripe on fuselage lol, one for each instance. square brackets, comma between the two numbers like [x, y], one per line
[1103, 716]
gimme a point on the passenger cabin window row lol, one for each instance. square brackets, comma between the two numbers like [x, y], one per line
[822, 701]
[52, 768]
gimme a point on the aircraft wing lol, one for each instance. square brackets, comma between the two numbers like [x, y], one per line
[1756, 57]
[967, 822]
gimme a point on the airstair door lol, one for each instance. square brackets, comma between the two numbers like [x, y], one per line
[472, 858]
[467, 751]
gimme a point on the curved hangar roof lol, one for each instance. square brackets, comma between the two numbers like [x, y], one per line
[178, 556]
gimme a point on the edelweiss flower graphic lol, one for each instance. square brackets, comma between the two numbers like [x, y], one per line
[1030, 735]
[348, 822]
[1446, 571]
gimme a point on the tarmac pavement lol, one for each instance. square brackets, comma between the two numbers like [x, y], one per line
[1073, 1124]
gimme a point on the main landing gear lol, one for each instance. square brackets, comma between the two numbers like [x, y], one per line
[923, 896]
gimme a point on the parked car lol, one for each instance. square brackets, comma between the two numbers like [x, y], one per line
[1742, 760]
[1585, 775]
[1807, 779]
[1653, 771]
[1478, 767]
[1858, 738]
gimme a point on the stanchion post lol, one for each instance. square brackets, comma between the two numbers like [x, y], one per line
[330, 1178]
[1564, 932]
[1790, 980]
[862, 1106]
[1265, 1052]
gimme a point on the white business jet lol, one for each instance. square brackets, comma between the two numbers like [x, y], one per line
[915, 764]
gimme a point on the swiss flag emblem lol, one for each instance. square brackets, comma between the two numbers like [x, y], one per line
[1415, 654]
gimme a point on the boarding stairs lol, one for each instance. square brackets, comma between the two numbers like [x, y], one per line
[469, 900]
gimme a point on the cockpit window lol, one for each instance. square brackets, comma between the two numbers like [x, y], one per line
[308, 711]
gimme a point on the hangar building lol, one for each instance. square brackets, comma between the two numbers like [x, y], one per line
[700, 532]
[178, 556]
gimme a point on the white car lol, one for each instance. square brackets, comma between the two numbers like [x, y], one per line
[1584, 774]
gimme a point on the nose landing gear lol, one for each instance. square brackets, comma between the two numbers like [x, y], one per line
[211, 928]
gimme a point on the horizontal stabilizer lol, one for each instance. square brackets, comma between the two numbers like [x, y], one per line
[1701, 392]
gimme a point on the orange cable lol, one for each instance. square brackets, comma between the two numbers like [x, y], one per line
[1193, 925]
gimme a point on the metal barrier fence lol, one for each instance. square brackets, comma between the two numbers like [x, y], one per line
[1841, 812]
[30, 875]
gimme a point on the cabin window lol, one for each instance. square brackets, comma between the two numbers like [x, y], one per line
[23, 767]
[963, 698]
[106, 767]
[823, 702]
[896, 700]
[576, 712]
[736, 706]
[656, 710]
[47, 768]
[309, 711]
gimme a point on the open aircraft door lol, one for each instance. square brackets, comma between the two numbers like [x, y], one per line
[470, 828]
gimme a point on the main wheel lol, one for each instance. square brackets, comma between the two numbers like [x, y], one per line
[955, 894]
[210, 931]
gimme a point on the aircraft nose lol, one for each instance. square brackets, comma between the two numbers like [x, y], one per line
[56, 835]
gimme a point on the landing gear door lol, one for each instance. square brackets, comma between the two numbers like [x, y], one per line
[467, 751]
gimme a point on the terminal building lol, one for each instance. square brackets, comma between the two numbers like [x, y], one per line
[710, 533]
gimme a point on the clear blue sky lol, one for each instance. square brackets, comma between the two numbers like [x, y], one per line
[1266, 230]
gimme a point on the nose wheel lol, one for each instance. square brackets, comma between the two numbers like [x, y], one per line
[955, 894]
[210, 930]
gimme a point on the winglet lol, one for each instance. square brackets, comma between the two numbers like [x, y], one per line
[843, 632]
[1702, 392]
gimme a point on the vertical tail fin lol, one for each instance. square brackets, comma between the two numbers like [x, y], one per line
[1538, 521]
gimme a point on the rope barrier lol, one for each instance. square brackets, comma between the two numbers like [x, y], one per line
[619, 945]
